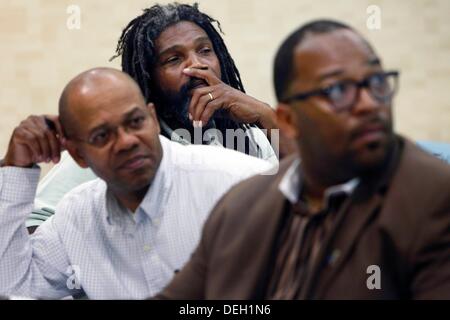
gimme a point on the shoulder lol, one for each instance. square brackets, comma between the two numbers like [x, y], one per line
[422, 171]
[86, 190]
[420, 188]
[420, 202]
[83, 200]
[252, 190]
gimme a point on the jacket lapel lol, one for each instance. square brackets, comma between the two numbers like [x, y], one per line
[266, 236]
[337, 247]
[269, 215]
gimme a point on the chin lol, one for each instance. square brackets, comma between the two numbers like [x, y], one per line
[136, 186]
[135, 181]
[371, 157]
[142, 180]
[140, 187]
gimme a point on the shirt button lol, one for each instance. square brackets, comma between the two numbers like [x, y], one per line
[147, 248]
[333, 258]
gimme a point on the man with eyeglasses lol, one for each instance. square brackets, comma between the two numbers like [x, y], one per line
[122, 236]
[360, 213]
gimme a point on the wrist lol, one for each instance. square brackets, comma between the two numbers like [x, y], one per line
[6, 163]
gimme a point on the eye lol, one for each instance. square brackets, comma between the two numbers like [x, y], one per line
[205, 50]
[337, 90]
[136, 122]
[381, 85]
[172, 59]
[100, 138]
[377, 80]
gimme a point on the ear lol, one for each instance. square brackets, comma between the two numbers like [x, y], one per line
[75, 154]
[287, 121]
[151, 109]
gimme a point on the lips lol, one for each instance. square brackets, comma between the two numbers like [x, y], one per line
[134, 163]
[370, 133]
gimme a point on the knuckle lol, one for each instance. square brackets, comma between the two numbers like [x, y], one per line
[17, 132]
[49, 134]
[205, 99]
[197, 94]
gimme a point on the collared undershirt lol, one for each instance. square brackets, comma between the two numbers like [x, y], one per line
[301, 235]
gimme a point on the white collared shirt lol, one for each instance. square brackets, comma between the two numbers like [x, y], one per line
[291, 184]
[260, 146]
[90, 245]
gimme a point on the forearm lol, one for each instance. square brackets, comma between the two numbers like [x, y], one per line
[19, 273]
[17, 189]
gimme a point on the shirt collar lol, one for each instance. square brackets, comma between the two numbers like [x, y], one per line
[291, 184]
[155, 199]
[157, 195]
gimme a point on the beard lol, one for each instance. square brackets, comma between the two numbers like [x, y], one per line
[175, 105]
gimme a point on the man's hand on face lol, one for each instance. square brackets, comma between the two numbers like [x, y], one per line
[36, 139]
[218, 95]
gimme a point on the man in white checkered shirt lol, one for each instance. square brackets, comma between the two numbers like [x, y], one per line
[121, 236]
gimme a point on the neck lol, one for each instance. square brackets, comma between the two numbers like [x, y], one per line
[318, 178]
[131, 200]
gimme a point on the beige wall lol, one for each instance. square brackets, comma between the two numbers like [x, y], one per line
[39, 54]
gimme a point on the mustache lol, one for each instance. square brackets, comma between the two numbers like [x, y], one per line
[375, 122]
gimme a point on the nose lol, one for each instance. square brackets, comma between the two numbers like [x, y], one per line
[194, 61]
[125, 140]
[365, 103]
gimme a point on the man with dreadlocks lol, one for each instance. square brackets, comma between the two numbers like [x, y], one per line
[181, 64]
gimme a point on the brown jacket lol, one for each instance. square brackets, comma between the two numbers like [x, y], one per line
[400, 222]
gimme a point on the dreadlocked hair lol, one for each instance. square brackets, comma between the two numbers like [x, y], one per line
[136, 45]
